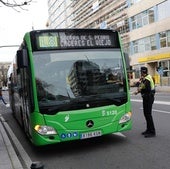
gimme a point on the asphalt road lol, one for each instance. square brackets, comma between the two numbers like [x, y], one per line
[128, 150]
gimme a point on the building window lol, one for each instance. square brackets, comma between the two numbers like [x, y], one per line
[151, 15]
[164, 39]
[145, 44]
[135, 46]
[141, 44]
[162, 36]
[168, 38]
[153, 42]
[142, 19]
[165, 66]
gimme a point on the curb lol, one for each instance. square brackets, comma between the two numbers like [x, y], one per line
[18, 156]
[14, 162]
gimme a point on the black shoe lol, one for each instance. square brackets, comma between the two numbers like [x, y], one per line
[147, 135]
[145, 132]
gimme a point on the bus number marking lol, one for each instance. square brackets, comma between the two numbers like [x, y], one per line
[109, 112]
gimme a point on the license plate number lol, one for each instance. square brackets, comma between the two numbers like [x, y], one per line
[91, 134]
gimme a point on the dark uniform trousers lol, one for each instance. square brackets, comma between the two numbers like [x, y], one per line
[148, 100]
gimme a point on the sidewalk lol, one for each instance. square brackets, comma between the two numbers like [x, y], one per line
[8, 156]
[165, 89]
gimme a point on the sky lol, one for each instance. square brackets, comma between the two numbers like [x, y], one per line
[13, 25]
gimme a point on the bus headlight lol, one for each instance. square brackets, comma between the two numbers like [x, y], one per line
[125, 118]
[45, 130]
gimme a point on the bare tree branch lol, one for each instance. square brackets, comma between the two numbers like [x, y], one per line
[13, 4]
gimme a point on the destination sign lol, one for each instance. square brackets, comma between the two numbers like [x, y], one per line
[84, 40]
[67, 40]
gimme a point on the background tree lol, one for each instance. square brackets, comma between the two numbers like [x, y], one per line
[16, 5]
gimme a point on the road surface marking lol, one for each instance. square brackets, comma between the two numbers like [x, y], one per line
[156, 110]
[119, 134]
[155, 102]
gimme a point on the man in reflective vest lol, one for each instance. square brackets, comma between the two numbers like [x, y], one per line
[147, 90]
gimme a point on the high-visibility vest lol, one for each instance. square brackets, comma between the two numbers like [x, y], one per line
[149, 77]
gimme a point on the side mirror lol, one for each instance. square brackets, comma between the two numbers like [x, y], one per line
[22, 58]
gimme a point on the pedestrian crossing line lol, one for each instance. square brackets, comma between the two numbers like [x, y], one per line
[156, 110]
[119, 134]
[160, 111]
[155, 102]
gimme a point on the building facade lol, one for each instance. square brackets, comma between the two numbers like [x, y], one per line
[149, 44]
[60, 13]
[4, 66]
[144, 27]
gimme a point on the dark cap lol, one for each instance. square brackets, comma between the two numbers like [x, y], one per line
[144, 70]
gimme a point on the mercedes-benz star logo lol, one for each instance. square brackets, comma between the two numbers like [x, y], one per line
[89, 123]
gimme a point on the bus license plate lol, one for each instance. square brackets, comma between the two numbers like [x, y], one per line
[91, 134]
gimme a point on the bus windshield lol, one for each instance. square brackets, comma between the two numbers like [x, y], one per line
[77, 79]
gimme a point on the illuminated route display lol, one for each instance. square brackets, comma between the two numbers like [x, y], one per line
[58, 39]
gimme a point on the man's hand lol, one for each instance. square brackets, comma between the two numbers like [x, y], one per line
[136, 92]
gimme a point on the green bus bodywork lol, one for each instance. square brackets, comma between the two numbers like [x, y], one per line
[70, 84]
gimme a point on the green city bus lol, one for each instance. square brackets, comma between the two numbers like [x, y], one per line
[70, 84]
